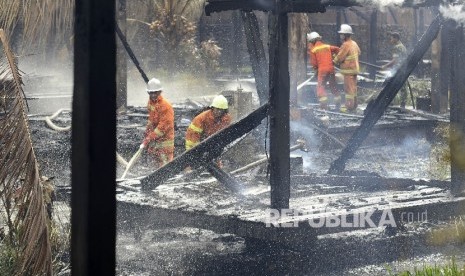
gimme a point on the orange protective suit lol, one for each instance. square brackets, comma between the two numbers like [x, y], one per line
[159, 133]
[203, 126]
[321, 58]
[348, 60]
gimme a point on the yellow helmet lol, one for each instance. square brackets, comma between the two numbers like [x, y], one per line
[220, 102]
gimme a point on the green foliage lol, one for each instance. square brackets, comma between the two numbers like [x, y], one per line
[450, 269]
[8, 259]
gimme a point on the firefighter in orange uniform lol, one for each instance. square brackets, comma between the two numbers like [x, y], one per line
[348, 60]
[321, 58]
[159, 133]
[208, 122]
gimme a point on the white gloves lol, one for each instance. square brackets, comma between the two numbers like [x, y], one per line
[142, 146]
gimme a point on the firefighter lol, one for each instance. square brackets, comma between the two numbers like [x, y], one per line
[347, 58]
[399, 53]
[208, 122]
[321, 58]
[159, 132]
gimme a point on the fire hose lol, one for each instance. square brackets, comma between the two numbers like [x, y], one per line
[48, 120]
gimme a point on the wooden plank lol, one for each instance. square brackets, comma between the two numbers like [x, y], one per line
[385, 97]
[93, 172]
[206, 151]
[255, 223]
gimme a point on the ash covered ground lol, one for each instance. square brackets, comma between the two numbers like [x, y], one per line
[192, 251]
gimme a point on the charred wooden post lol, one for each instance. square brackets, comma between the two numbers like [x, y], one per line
[93, 216]
[206, 151]
[442, 66]
[121, 60]
[338, 23]
[457, 111]
[279, 111]
[257, 54]
[237, 37]
[385, 97]
[373, 57]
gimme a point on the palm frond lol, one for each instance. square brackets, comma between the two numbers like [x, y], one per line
[39, 20]
[20, 187]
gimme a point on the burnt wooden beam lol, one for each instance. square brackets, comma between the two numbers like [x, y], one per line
[279, 110]
[284, 6]
[305, 6]
[256, 54]
[360, 14]
[385, 97]
[131, 54]
[346, 19]
[236, 62]
[225, 178]
[373, 56]
[457, 111]
[447, 36]
[121, 60]
[93, 161]
[206, 151]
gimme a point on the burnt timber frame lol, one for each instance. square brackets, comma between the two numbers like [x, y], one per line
[385, 97]
[279, 73]
[206, 151]
[93, 169]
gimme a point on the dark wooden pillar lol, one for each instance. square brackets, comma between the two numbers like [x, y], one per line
[256, 54]
[457, 111]
[373, 43]
[337, 41]
[122, 65]
[279, 110]
[93, 202]
[237, 38]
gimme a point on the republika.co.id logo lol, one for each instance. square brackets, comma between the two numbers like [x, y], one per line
[293, 218]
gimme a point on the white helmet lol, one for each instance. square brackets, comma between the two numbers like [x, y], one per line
[345, 29]
[220, 102]
[312, 36]
[154, 85]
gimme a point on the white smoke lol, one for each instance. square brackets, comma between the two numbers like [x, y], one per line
[455, 12]
[312, 142]
[381, 4]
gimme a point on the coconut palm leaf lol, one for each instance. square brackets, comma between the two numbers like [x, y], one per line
[40, 20]
[20, 188]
